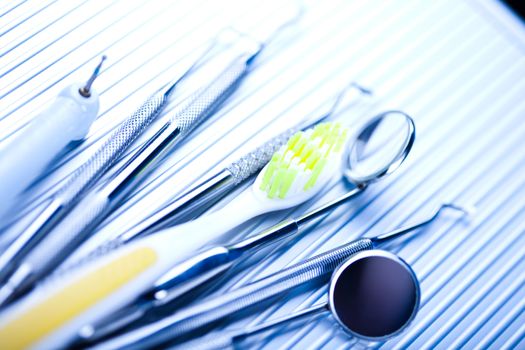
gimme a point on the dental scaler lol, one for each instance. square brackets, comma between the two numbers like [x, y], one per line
[24, 158]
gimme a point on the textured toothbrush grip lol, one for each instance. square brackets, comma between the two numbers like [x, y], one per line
[215, 309]
[111, 150]
[252, 162]
[202, 103]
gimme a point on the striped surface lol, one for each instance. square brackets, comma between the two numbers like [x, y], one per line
[457, 67]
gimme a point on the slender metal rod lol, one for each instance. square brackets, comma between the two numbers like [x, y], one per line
[85, 91]
[324, 209]
[399, 232]
[313, 310]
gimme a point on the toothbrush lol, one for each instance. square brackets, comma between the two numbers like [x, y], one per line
[67, 119]
[297, 172]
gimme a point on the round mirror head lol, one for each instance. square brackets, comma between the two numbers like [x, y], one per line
[374, 295]
[379, 147]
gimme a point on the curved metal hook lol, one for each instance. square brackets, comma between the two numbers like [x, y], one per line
[466, 210]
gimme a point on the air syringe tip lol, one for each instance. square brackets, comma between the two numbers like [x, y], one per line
[86, 90]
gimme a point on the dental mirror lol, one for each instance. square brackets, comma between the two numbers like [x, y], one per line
[379, 147]
[373, 295]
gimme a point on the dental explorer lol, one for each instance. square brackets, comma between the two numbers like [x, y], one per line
[25, 157]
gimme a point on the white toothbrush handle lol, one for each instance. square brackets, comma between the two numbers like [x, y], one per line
[91, 292]
[24, 158]
[186, 238]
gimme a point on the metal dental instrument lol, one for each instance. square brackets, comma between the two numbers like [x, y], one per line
[12, 270]
[374, 295]
[243, 168]
[86, 89]
[202, 196]
[25, 157]
[207, 313]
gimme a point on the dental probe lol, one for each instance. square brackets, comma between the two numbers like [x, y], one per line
[26, 156]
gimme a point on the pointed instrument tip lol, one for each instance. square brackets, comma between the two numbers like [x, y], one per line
[86, 90]
[467, 209]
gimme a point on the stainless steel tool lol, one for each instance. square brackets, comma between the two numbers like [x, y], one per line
[374, 295]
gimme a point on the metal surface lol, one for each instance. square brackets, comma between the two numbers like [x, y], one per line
[456, 66]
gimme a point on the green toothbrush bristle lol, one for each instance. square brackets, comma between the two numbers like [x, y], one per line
[302, 159]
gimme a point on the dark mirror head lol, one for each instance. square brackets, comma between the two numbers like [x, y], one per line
[374, 295]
